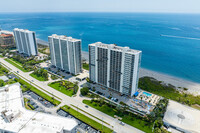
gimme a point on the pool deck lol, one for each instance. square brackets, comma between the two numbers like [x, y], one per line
[152, 100]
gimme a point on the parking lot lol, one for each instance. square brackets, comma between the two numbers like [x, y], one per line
[108, 93]
[38, 103]
[42, 105]
[82, 127]
[54, 70]
[117, 97]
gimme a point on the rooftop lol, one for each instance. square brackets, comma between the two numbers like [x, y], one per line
[23, 30]
[6, 35]
[4, 78]
[6, 32]
[15, 118]
[182, 117]
[63, 37]
[115, 47]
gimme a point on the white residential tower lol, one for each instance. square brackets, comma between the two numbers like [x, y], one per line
[65, 53]
[114, 67]
[25, 41]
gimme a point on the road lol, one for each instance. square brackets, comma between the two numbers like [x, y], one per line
[114, 124]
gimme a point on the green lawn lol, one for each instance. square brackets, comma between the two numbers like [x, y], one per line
[66, 90]
[134, 120]
[26, 104]
[16, 64]
[10, 81]
[86, 119]
[40, 78]
[3, 70]
[90, 114]
[86, 66]
[31, 106]
[26, 86]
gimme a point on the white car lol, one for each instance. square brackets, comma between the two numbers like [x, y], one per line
[122, 123]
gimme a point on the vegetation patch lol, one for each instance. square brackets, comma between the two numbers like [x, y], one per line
[23, 63]
[84, 91]
[26, 100]
[86, 119]
[168, 91]
[26, 86]
[66, 87]
[137, 121]
[3, 70]
[10, 81]
[54, 77]
[40, 74]
[16, 65]
[85, 66]
[31, 106]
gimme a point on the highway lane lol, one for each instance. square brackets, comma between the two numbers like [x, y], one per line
[77, 102]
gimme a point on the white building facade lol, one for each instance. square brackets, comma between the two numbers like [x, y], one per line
[115, 67]
[14, 118]
[25, 42]
[65, 53]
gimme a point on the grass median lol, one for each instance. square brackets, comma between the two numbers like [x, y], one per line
[86, 119]
[133, 120]
[26, 86]
[16, 65]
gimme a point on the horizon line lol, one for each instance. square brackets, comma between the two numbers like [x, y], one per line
[101, 12]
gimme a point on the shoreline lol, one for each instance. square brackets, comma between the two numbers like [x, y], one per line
[193, 87]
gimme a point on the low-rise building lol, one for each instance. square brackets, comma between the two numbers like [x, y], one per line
[179, 117]
[15, 118]
[4, 78]
[6, 40]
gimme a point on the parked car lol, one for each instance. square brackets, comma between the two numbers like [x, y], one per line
[122, 123]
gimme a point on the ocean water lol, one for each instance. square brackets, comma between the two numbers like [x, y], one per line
[170, 42]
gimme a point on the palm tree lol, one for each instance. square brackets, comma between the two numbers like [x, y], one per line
[34, 68]
[76, 83]
[125, 107]
[63, 83]
[97, 96]
[67, 84]
[141, 99]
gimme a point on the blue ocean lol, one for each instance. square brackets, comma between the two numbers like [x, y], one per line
[170, 42]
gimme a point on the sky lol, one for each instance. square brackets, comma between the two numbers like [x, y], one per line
[160, 6]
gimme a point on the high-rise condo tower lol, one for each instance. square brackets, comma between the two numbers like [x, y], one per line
[65, 53]
[25, 41]
[114, 67]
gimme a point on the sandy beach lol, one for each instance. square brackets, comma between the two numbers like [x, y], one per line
[192, 87]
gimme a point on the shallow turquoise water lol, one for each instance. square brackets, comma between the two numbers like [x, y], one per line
[147, 94]
[170, 42]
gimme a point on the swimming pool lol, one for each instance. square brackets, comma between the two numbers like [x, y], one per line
[147, 94]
